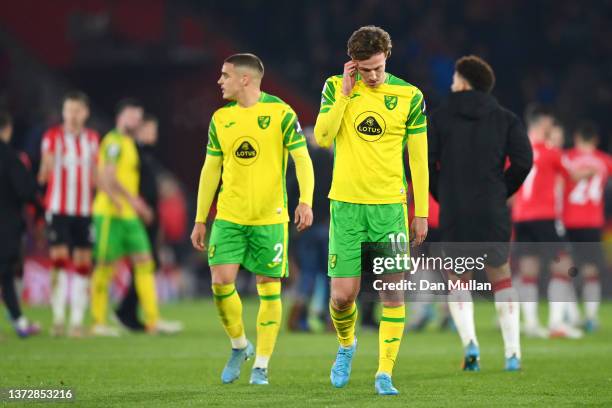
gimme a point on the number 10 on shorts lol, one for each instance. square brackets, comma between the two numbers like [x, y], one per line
[399, 242]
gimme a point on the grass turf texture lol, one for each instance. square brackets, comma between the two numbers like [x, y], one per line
[184, 370]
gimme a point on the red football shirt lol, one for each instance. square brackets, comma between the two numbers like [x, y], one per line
[434, 213]
[70, 187]
[583, 200]
[535, 200]
[433, 219]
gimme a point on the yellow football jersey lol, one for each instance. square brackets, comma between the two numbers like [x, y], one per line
[375, 127]
[121, 150]
[254, 143]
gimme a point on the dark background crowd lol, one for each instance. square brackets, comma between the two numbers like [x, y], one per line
[168, 54]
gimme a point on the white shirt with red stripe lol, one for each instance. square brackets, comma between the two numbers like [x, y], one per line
[536, 199]
[583, 203]
[70, 186]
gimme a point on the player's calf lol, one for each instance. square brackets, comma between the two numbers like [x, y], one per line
[59, 295]
[79, 291]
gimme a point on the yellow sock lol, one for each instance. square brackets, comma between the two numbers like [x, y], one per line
[344, 322]
[100, 280]
[390, 336]
[144, 277]
[268, 321]
[229, 308]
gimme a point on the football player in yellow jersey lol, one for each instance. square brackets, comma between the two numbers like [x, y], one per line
[249, 140]
[118, 219]
[371, 116]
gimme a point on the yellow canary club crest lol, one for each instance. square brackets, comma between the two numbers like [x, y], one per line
[333, 258]
[211, 251]
[263, 121]
[390, 101]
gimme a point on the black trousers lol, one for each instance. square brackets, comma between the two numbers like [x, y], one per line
[128, 307]
[7, 284]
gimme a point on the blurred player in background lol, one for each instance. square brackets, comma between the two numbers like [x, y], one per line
[422, 308]
[309, 311]
[17, 187]
[150, 170]
[119, 218]
[471, 138]
[68, 164]
[583, 214]
[556, 138]
[371, 116]
[248, 143]
[534, 213]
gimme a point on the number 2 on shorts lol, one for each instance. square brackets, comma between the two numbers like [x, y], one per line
[279, 253]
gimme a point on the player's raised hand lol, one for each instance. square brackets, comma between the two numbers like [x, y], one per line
[348, 77]
[418, 230]
[303, 216]
[198, 235]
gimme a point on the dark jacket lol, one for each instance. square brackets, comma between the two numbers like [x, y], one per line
[17, 187]
[150, 170]
[471, 137]
[323, 166]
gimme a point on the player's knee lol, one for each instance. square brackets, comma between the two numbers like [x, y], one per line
[498, 273]
[529, 265]
[142, 259]
[59, 252]
[393, 303]
[590, 271]
[224, 274]
[218, 279]
[265, 279]
[342, 301]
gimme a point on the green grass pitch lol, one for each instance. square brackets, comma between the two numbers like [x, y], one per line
[138, 370]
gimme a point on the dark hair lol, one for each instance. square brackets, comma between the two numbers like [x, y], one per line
[477, 72]
[127, 103]
[368, 41]
[535, 111]
[5, 120]
[149, 118]
[246, 60]
[588, 131]
[78, 96]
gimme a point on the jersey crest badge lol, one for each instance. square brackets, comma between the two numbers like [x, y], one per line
[390, 101]
[263, 121]
[333, 258]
